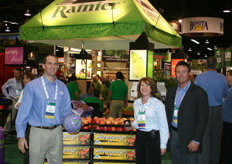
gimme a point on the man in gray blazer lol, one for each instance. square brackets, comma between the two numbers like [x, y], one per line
[187, 112]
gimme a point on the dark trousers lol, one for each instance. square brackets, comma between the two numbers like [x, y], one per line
[227, 128]
[147, 149]
[177, 156]
[211, 143]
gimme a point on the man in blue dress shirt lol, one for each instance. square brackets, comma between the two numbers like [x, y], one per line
[216, 87]
[11, 90]
[45, 102]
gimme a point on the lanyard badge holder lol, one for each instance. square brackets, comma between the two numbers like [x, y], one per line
[175, 117]
[141, 120]
[51, 106]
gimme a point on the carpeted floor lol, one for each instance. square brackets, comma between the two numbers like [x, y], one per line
[12, 154]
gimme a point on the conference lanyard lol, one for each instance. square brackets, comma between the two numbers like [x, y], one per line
[176, 107]
[17, 90]
[141, 120]
[51, 106]
[45, 89]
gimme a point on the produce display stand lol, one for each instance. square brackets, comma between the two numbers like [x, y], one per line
[113, 147]
[99, 143]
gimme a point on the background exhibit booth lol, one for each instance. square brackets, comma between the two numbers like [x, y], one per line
[100, 25]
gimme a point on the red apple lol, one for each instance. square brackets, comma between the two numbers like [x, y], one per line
[108, 121]
[85, 127]
[85, 121]
[98, 128]
[113, 128]
[102, 121]
[119, 129]
[105, 128]
[95, 119]
[89, 119]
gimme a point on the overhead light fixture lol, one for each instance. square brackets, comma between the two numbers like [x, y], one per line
[193, 40]
[227, 9]
[198, 53]
[27, 13]
[206, 41]
[180, 20]
[209, 48]
[189, 49]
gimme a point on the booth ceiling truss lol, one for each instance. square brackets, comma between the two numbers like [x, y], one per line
[102, 24]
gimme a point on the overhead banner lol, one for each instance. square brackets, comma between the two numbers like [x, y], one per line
[116, 23]
[202, 26]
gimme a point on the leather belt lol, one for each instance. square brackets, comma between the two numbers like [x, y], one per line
[47, 127]
[174, 128]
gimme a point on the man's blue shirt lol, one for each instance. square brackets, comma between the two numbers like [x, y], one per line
[34, 102]
[215, 85]
[227, 107]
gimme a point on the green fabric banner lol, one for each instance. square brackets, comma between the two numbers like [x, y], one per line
[85, 19]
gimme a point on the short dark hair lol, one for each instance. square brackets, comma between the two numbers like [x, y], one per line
[183, 63]
[18, 69]
[29, 75]
[149, 81]
[45, 58]
[72, 78]
[211, 62]
[119, 75]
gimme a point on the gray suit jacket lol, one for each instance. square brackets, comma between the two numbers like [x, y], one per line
[192, 115]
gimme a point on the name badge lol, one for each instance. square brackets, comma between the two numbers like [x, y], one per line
[141, 120]
[175, 117]
[50, 110]
[17, 93]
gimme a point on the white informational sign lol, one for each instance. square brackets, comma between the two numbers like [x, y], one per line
[207, 25]
[134, 92]
[161, 90]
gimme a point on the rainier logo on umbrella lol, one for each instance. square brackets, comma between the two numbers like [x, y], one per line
[72, 123]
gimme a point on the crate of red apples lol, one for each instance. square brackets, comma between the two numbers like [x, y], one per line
[105, 124]
[81, 108]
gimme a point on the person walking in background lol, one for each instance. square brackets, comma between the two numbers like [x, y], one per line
[11, 90]
[151, 124]
[227, 124]
[27, 77]
[216, 87]
[89, 94]
[187, 112]
[73, 88]
[45, 103]
[117, 95]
